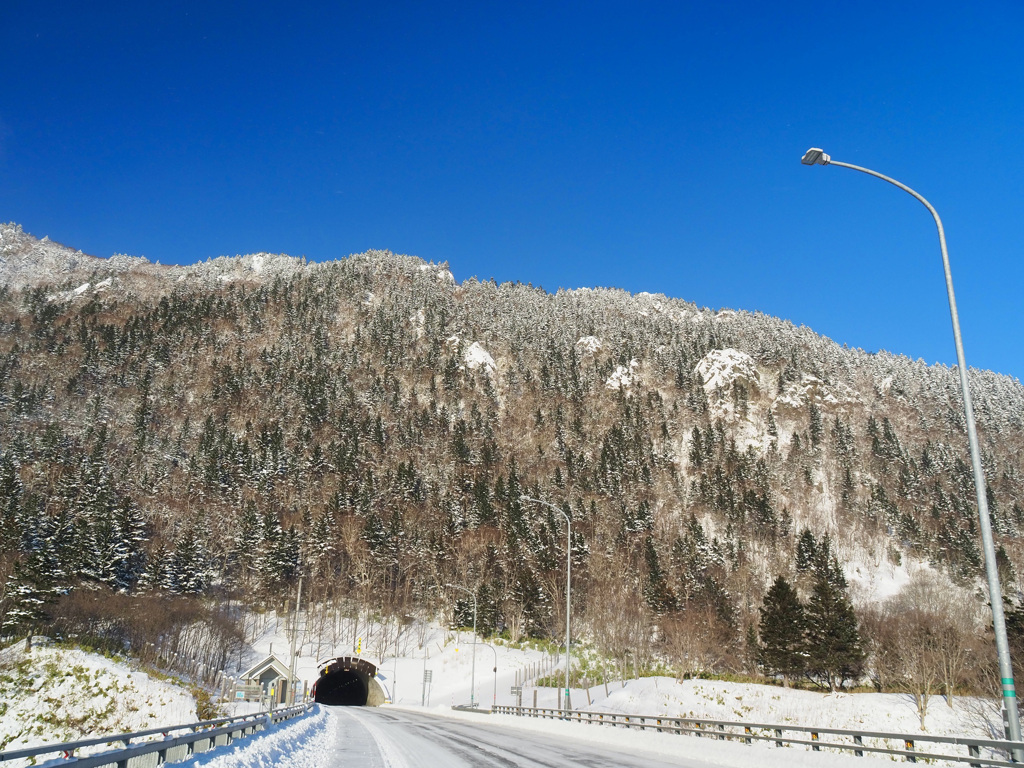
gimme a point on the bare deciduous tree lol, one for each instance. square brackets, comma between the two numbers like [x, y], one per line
[924, 639]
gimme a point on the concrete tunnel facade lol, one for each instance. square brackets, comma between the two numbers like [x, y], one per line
[348, 681]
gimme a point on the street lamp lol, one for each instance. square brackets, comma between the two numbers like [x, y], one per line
[816, 156]
[472, 678]
[295, 629]
[494, 693]
[568, 582]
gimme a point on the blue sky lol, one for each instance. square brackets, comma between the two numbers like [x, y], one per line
[646, 146]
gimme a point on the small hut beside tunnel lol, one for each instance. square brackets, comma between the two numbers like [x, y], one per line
[266, 678]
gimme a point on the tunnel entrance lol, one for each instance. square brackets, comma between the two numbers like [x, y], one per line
[348, 681]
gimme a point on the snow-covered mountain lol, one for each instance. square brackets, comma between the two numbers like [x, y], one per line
[372, 423]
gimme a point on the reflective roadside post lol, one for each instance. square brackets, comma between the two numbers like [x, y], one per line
[472, 678]
[568, 584]
[815, 156]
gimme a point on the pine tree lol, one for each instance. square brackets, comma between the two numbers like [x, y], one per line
[835, 652]
[10, 504]
[28, 592]
[806, 551]
[656, 590]
[783, 649]
[186, 569]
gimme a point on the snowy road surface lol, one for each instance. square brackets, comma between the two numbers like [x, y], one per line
[401, 739]
[391, 737]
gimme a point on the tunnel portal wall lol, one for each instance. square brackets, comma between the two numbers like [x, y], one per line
[349, 681]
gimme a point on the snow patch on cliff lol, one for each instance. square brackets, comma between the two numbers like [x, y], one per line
[623, 377]
[797, 395]
[589, 344]
[477, 357]
[721, 368]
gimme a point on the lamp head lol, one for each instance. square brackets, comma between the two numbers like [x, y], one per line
[815, 156]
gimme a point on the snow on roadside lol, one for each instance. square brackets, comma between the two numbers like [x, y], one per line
[301, 743]
[720, 700]
[727, 754]
[52, 695]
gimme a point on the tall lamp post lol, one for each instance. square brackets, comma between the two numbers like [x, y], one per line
[295, 630]
[815, 156]
[494, 694]
[568, 583]
[472, 678]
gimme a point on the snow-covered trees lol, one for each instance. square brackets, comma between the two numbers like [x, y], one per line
[221, 428]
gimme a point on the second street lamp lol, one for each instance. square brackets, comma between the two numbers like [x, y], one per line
[815, 156]
[568, 583]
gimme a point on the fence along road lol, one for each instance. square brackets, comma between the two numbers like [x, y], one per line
[197, 737]
[970, 748]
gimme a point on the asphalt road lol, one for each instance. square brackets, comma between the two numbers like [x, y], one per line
[389, 738]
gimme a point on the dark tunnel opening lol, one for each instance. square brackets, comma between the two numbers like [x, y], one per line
[343, 688]
[348, 681]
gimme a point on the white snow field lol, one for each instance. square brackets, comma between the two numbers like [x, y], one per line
[51, 695]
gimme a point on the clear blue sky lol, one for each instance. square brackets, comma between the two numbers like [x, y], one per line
[646, 146]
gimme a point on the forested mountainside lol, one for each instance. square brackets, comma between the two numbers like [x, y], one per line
[220, 428]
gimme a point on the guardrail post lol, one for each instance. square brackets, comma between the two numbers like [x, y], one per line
[721, 732]
[910, 748]
[814, 737]
[746, 730]
[778, 733]
[974, 751]
[860, 743]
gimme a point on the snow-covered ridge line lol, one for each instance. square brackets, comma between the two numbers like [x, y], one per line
[28, 261]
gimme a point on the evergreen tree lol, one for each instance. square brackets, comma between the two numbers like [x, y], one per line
[10, 504]
[28, 592]
[783, 648]
[816, 427]
[806, 551]
[656, 590]
[186, 570]
[835, 652]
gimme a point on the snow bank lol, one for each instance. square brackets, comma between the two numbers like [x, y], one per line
[51, 695]
[301, 743]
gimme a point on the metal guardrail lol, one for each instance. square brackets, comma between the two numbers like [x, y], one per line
[806, 736]
[201, 737]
